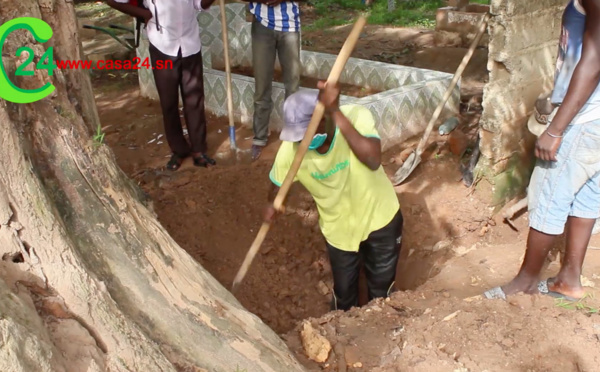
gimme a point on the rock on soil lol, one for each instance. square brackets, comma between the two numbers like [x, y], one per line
[317, 347]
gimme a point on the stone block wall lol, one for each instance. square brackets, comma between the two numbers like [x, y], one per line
[522, 52]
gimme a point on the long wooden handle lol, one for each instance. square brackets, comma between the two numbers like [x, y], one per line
[334, 76]
[260, 237]
[457, 75]
[227, 62]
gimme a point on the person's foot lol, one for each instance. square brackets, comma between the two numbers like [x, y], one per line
[256, 152]
[521, 283]
[568, 288]
[175, 162]
[203, 160]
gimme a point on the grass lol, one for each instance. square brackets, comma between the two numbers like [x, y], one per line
[408, 13]
[578, 306]
[99, 136]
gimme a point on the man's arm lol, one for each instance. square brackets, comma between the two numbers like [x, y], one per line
[366, 149]
[134, 11]
[585, 80]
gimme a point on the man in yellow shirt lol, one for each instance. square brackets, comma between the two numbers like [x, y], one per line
[359, 212]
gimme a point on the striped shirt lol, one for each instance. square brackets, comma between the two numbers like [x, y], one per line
[283, 17]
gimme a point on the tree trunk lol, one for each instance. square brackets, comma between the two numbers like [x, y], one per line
[89, 280]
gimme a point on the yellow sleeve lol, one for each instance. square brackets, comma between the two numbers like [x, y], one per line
[283, 163]
[362, 119]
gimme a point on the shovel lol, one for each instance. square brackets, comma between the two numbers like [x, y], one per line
[334, 75]
[415, 157]
[232, 143]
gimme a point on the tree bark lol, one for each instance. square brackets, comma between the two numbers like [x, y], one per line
[89, 280]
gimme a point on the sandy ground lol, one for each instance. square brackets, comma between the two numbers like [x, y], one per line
[454, 246]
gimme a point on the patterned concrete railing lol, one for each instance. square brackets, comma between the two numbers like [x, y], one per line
[403, 108]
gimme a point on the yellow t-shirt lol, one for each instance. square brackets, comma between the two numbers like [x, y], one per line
[353, 201]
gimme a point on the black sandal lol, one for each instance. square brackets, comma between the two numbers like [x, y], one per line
[204, 161]
[175, 162]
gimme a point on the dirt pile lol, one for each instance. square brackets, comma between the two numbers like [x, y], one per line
[425, 331]
[445, 325]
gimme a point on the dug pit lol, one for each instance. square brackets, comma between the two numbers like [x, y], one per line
[214, 214]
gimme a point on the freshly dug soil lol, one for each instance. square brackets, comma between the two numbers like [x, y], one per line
[426, 331]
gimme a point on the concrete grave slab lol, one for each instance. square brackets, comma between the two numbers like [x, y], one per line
[408, 96]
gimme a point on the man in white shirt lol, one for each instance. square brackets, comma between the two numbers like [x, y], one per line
[275, 32]
[174, 35]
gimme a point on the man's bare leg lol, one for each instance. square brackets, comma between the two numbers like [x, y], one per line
[538, 247]
[568, 280]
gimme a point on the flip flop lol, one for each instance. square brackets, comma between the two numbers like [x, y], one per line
[175, 162]
[204, 161]
[543, 289]
[496, 293]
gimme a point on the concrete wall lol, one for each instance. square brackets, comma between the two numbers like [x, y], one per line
[406, 100]
[522, 52]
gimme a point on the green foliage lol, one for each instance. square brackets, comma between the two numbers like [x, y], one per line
[99, 136]
[578, 306]
[408, 13]
[513, 181]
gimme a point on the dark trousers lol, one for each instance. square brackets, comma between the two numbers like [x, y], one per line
[379, 254]
[185, 76]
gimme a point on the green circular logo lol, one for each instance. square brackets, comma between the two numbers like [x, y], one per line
[42, 32]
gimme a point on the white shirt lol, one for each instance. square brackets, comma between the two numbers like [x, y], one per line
[178, 24]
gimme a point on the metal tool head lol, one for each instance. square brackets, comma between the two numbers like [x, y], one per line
[407, 167]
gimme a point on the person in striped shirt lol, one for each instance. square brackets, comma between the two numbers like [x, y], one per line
[275, 32]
